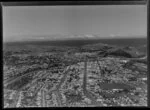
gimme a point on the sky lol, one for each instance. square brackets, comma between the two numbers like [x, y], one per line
[50, 22]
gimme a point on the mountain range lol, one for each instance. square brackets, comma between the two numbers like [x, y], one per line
[62, 37]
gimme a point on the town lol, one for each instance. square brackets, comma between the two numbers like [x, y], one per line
[74, 77]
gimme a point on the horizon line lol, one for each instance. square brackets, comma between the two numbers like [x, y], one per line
[47, 40]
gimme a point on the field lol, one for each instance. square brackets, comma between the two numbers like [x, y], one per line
[75, 73]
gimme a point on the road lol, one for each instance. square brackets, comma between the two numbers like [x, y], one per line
[87, 93]
[56, 91]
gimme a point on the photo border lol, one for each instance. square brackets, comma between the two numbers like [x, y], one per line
[74, 3]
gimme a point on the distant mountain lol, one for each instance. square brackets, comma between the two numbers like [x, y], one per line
[112, 50]
[60, 37]
[128, 52]
[132, 46]
[49, 37]
[142, 48]
[119, 52]
[96, 47]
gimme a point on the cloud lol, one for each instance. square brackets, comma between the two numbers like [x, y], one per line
[40, 37]
[112, 35]
[89, 36]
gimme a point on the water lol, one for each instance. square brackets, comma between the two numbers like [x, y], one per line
[110, 86]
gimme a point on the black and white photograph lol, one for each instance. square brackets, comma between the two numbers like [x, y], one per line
[75, 56]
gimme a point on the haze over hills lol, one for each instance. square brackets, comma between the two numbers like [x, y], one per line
[55, 37]
[125, 47]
